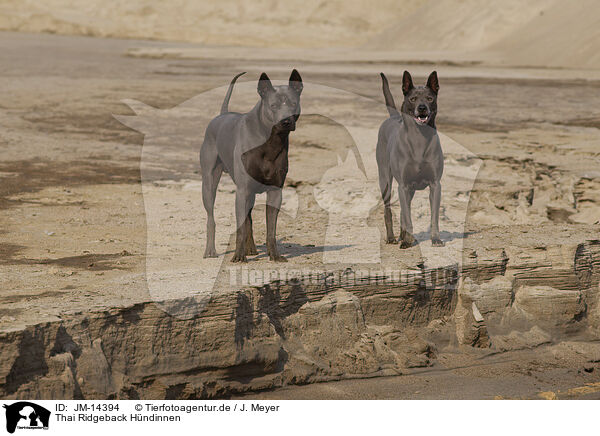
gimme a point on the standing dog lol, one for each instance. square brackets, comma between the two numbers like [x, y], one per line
[408, 149]
[253, 149]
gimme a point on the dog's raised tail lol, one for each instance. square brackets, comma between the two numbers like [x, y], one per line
[225, 105]
[389, 99]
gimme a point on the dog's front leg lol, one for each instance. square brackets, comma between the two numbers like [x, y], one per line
[405, 195]
[242, 200]
[435, 194]
[273, 206]
[250, 245]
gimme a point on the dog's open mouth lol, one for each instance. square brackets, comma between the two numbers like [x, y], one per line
[421, 119]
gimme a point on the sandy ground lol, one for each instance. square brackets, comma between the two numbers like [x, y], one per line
[80, 224]
[515, 375]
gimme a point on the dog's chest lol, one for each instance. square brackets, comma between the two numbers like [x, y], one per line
[418, 175]
[268, 163]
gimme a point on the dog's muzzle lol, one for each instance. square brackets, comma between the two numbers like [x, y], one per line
[288, 124]
[422, 114]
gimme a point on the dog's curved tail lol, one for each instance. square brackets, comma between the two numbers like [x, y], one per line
[389, 99]
[225, 105]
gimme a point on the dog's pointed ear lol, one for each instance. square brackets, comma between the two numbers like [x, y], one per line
[407, 83]
[264, 85]
[296, 81]
[433, 83]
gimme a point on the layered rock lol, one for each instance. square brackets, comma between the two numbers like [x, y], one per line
[297, 332]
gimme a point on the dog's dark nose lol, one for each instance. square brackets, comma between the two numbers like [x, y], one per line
[288, 123]
[422, 108]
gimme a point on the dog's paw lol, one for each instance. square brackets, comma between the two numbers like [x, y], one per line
[437, 242]
[391, 240]
[251, 251]
[237, 257]
[210, 253]
[407, 243]
[407, 240]
[278, 258]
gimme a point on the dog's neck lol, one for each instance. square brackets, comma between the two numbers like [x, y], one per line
[261, 120]
[272, 136]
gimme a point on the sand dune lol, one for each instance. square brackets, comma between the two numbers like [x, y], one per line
[534, 33]
[458, 25]
[563, 35]
[294, 23]
[511, 32]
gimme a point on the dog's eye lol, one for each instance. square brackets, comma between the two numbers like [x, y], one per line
[273, 106]
[429, 99]
[412, 99]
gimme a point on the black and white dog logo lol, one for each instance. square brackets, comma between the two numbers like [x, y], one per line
[26, 415]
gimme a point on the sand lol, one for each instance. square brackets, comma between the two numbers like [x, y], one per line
[535, 33]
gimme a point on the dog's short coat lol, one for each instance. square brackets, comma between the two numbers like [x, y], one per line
[253, 149]
[409, 150]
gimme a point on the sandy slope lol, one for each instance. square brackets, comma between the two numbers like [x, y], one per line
[459, 25]
[513, 32]
[260, 22]
[563, 36]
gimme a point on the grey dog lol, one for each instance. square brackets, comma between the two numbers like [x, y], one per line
[253, 149]
[409, 150]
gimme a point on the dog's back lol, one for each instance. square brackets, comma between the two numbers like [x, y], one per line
[389, 129]
[221, 130]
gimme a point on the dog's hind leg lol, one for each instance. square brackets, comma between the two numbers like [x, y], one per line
[405, 196]
[212, 168]
[435, 194]
[244, 201]
[273, 206]
[385, 185]
[250, 245]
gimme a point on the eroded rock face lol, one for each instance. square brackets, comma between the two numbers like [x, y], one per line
[520, 311]
[292, 333]
[470, 325]
[491, 297]
[587, 201]
[248, 340]
[594, 310]
[548, 308]
[94, 372]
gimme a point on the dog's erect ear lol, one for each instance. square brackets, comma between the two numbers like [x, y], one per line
[432, 82]
[264, 85]
[407, 83]
[296, 81]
